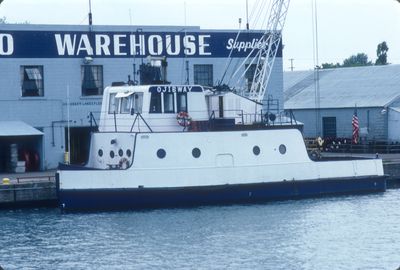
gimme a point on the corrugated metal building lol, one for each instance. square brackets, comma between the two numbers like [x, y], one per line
[373, 90]
[41, 64]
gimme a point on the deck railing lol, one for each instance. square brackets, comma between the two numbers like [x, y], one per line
[345, 145]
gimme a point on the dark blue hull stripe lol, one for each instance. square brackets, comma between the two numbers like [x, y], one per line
[142, 198]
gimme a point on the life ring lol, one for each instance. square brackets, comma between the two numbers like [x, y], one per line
[123, 163]
[183, 119]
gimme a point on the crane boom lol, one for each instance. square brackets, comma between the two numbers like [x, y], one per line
[265, 56]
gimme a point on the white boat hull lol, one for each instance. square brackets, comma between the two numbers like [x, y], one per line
[228, 170]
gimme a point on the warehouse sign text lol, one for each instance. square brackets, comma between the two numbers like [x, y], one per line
[51, 44]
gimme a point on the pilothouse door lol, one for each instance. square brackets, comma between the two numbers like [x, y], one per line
[221, 106]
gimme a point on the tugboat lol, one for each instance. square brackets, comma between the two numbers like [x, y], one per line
[175, 146]
[184, 145]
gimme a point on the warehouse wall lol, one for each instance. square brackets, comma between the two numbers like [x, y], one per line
[49, 112]
[373, 124]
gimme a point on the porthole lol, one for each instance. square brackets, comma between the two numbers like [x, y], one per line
[128, 153]
[120, 152]
[282, 149]
[196, 152]
[256, 150]
[100, 152]
[112, 154]
[161, 153]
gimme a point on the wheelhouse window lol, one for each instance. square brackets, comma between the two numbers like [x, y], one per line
[92, 80]
[138, 102]
[169, 103]
[32, 81]
[126, 103]
[155, 103]
[181, 102]
[113, 104]
[203, 75]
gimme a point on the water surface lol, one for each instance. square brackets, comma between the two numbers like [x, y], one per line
[350, 232]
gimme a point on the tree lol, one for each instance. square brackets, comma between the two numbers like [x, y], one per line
[381, 53]
[330, 65]
[361, 59]
[3, 20]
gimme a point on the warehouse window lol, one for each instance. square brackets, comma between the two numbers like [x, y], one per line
[329, 126]
[203, 75]
[250, 70]
[92, 80]
[32, 81]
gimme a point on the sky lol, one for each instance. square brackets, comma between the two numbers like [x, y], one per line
[345, 27]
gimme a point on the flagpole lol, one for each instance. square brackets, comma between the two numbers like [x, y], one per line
[68, 128]
[355, 127]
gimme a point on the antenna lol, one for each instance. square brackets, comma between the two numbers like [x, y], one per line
[185, 62]
[187, 72]
[316, 68]
[68, 128]
[134, 55]
[90, 15]
[247, 14]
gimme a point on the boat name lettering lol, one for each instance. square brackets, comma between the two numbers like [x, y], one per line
[174, 89]
[6, 44]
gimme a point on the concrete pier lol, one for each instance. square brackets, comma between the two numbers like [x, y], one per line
[28, 189]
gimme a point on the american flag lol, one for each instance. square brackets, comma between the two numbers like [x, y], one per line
[356, 127]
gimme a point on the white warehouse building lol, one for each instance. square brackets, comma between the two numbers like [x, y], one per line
[50, 70]
[372, 91]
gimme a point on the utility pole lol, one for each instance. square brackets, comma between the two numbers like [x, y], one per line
[291, 64]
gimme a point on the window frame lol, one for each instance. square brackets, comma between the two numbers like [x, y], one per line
[203, 74]
[329, 126]
[115, 104]
[37, 82]
[178, 102]
[155, 97]
[95, 79]
[125, 107]
[172, 98]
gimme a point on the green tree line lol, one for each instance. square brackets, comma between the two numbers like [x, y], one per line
[361, 59]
